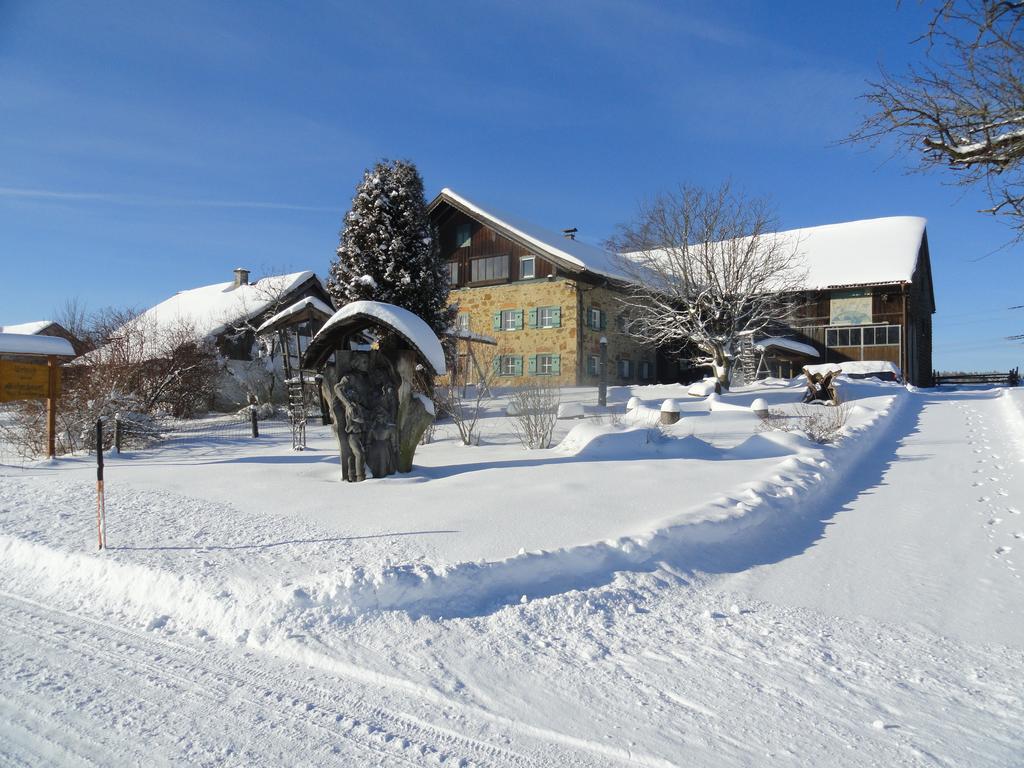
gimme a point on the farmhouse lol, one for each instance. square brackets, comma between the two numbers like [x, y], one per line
[548, 299]
[229, 313]
[869, 297]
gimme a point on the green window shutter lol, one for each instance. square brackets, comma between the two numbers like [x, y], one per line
[604, 320]
[496, 320]
[531, 317]
[519, 319]
[497, 365]
[557, 317]
[532, 365]
[517, 361]
[556, 365]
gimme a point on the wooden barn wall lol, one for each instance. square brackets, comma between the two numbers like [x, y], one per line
[484, 242]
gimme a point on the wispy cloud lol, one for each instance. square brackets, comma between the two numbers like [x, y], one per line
[21, 193]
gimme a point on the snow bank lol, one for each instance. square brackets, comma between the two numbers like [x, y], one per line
[235, 606]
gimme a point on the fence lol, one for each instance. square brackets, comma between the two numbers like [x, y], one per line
[19, 446]
[164, 431]
[1011, 378]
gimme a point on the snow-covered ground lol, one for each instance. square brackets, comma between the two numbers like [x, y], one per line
[707, 594]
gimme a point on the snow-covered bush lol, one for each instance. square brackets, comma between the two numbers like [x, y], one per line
[821, 423]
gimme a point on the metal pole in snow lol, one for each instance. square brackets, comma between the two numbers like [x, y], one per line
[101, 512]
[602, 387]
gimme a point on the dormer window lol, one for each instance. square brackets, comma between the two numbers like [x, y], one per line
[463, 235]
[527, 267]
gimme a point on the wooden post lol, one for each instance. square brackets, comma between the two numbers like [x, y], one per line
[255, 426]
[117, 433]
[101, 513]
[51, 407]
[602, 387]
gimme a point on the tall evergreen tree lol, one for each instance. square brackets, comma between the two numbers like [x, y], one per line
[389, 250]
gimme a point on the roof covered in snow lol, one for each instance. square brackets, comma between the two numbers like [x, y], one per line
[32, 328]
[869, 252]
[409, 326]
[30, 344]
[308, 306]
[213, 308]
[570, 255]
[855, 253]
[791, 345]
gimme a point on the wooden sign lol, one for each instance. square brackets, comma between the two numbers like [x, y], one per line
[27, 381]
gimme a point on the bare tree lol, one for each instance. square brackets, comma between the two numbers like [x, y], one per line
[533, 408]
[963, 107]
[703, 268]
[463, 395]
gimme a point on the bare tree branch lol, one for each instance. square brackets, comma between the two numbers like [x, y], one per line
[704, 267]
[963, 108]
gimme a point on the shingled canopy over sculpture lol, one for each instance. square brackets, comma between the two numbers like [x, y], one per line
[368, 354]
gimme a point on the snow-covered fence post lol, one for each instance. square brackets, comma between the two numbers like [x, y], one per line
[117, 433]
[252, 419]
[669, 412]
[602, 387]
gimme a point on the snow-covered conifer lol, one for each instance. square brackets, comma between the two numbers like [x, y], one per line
[389, 249]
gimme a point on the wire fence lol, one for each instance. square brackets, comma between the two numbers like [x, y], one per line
[20, 445]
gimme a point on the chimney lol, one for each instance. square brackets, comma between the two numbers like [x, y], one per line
[241, 276]
[570, 233]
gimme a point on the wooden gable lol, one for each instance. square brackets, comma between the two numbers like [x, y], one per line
[465, 240]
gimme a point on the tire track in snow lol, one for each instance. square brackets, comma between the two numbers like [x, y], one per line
[260, 698]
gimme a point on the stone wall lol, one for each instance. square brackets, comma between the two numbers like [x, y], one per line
[620, 346]
[483, 302]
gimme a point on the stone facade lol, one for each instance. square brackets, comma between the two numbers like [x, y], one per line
[482, 303]
[629, 362]
[573, 340]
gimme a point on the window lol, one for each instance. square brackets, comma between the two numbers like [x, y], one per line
[507, 320]
[489, 268]
[625, 369]
[596, 319]
[645, 371]
[527, 267]
[868, 336]
[594, 365]
[545, 365]
[463, 321]
[508, 365]
[453, 273]
[463, 234]
[549, 317]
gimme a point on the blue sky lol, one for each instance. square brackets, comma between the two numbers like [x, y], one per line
[147, 148]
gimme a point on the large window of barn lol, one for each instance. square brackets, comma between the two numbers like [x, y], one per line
[489, 269]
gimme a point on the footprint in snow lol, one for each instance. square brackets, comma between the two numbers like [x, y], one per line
[983, 499]
[995, 521]
[1002, 550]
[1003, 492]
[1013, 510]
[978, 483]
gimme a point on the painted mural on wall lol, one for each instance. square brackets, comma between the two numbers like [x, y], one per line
[850, 308]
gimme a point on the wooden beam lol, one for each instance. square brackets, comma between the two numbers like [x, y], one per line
[51, 407]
